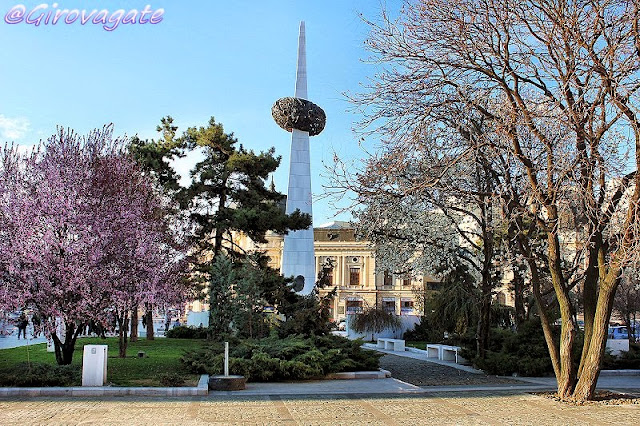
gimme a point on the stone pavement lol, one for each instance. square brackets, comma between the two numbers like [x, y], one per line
[12, 341]
[374, 401]
[477, 408]
[432, 370]
[422, 372]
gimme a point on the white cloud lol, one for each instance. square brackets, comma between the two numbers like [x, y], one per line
[187, 163]
[13, 128]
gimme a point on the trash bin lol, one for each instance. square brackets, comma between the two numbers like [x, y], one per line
[94, 365]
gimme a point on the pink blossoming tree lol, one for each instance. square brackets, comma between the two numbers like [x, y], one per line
[84, 237]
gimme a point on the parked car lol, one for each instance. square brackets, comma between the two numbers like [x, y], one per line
[620, 332]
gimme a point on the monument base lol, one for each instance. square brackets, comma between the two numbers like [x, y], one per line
[227, 383]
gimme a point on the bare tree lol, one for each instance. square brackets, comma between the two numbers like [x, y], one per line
[428, 204]
[557, 80]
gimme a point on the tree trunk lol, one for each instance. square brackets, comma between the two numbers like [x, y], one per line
[482, 335]
[586, 386]
[134, 324]
[524, 247]
[149, 324]
[627, 320]
[567, 379]
[518, 291]
[217, 246]
[590, 294]
[64, 350]
[484, 322]
[514, 235]
[123, 328]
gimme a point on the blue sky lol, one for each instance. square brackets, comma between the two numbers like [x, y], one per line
[227, 59]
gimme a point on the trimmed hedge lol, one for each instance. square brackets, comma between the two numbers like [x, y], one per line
[37, 374]
[291, 358]
[187, 332]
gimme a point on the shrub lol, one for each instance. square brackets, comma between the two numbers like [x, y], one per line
[171, 379]
[291, 358]
[374, 320]
[425, 332]
[524, 353]
[628, 360]
[40, 374]
[187, 332]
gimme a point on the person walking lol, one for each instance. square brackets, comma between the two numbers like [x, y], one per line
[23, 322]
[35, 321]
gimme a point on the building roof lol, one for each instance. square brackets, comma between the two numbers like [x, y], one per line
[336, 224]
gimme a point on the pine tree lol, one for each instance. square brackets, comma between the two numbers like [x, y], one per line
[229, 194]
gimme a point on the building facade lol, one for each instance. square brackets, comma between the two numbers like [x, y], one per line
[354, 273]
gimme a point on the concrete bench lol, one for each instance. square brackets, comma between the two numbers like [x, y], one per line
[433, 351]
[449, 353]
[396, 345]
[444, 352]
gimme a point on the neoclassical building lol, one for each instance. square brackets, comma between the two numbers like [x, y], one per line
[354, 273]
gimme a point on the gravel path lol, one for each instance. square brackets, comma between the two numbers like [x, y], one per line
[424, 373]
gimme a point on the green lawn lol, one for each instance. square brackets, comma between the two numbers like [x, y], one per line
[163, 357]
[417, 344]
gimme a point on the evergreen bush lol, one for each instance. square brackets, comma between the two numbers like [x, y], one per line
[187, 332]
[291, 358]
[37, 374]
[523, 353]
[171, 379]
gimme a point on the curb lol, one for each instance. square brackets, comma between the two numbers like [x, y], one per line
[358, 375]
[202, 389]
[620, 373]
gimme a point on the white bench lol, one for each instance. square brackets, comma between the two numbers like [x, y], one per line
[396, 345]
[433, 351]
[444, 352]
[449, 353]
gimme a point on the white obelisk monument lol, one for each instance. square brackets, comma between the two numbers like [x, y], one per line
[298, 259]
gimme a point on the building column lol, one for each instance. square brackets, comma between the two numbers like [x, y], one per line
[345, 269]
[365, 270]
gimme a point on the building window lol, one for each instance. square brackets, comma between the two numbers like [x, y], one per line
[501, 298]
[406, 282]
[340, 310]
[406, 306]
[354, 306]
[330, 276]
[389, 306]
[388, 279]
[354, 276]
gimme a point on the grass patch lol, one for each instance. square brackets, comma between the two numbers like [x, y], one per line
[163, 357]
[418, 344]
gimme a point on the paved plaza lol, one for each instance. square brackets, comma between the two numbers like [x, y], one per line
[441, 408]
[440, 395]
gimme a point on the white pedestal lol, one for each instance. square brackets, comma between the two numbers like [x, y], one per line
[618, 345]
[94, 365]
